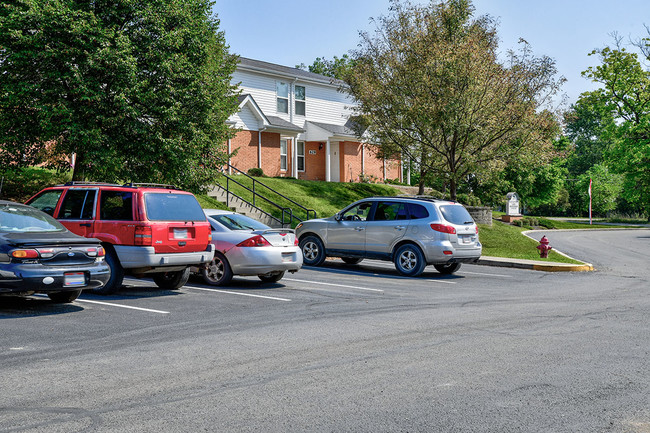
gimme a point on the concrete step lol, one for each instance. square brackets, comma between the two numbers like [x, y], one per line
[242, 207]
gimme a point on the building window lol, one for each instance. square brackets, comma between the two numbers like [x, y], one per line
[300, 100]
[282, 91]
[300, 154]
[283, 155]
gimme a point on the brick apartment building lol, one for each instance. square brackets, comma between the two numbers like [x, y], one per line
[297, 123]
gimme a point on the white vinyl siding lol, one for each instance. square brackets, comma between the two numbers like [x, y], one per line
[324, 103]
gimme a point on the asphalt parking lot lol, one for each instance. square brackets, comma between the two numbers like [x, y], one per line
[343, 348]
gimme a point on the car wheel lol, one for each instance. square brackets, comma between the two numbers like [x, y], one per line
[409, 260]
[117, 274]
[351, 260]
[313, 251]
[447, 269]
[64, 297]
[217, 272]
[273, 277]
[172, 280]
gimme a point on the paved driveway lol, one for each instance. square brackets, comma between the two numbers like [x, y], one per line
[345, 348]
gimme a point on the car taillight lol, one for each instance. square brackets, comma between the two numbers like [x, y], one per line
[24, 254]
[255, 241]
[476, 229]
[210, 237]
[444, 228]
[95, 252]
[295, 242]
[142, 235]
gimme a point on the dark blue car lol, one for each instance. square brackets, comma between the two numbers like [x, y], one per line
[39, 255]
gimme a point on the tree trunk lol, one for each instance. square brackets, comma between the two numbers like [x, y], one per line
[77, 173]
[452, 189]
[421, 186]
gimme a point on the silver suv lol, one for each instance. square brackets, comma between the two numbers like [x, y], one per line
[411, 232]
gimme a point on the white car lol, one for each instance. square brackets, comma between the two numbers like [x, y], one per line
[247, 247]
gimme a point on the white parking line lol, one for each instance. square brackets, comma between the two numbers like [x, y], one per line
[332, 284]
[237, 293]
[149, 310]
[110, 304]
[483, 273]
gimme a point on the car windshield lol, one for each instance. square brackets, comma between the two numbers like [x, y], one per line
[25, 219]
[456, 214]
[173, 207]
[235, 221]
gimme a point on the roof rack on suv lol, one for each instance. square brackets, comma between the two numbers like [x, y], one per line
[150, 185]
[84, 182]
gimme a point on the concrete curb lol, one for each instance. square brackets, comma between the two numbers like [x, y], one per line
[535, 265]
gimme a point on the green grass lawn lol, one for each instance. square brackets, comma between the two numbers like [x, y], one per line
[505, 240]
[326, 198]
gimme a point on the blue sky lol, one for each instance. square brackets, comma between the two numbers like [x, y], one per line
[290, 32]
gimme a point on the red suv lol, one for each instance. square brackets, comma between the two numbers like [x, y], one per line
[146, 229]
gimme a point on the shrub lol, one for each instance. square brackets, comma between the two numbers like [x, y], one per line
[255, 172]
[549, 224]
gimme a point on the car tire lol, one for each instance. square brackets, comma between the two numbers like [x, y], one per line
[409, 260]
[64, 297]
[351, 260]
[273, 277]
[172, 280]
[117, 274]
[218, 271]
[448, 268]
[313, 251]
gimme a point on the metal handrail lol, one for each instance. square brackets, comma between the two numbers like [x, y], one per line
[286, 212]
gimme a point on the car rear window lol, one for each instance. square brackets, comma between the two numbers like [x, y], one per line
[417, 211]
[24, 219]
[456, 214]
[239, 222]
[173, 207]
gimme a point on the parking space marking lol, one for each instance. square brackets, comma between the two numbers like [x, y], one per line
[110, 304]
[332, 284]
[273, 298]
[484, 273]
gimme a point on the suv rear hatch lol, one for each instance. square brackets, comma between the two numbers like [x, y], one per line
[466, 235]
[176, 223]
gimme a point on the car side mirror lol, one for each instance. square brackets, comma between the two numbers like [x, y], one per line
[338, 217]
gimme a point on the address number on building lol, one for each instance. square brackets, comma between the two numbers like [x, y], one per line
[312, 152]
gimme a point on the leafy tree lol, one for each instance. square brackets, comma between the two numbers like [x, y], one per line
[626, 94]
[605, 189]
[430, 82]
[138, 90]
[337, 68]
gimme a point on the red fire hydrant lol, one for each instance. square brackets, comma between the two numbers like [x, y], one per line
[544, 248]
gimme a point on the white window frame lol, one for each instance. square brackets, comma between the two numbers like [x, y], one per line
[296, 101]
[299, 155]
[279, 97]
[285, 155]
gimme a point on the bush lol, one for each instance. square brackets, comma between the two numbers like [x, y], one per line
[549, 224]
[255, 172]
[21, 183]
[527, 222]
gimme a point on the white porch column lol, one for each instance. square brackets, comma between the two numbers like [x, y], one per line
[408, 173]
[384, 161]
[328, 175]
[294, 157]
[259, 149]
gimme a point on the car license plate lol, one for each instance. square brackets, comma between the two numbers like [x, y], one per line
[74, 279]
[287, 257]
[466, 239]
[180, 233]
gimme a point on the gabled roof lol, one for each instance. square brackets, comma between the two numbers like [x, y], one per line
[288, 72]
[269, 122]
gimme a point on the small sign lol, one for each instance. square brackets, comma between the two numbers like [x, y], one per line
[74, 279]
[312, 152]
[512, 207]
